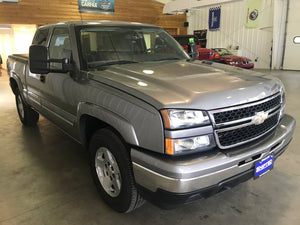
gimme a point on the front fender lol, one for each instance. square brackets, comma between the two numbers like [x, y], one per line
[120, 124]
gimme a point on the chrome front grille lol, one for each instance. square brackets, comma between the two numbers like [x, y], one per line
[236, 125]
[232, 137]
[245, 112]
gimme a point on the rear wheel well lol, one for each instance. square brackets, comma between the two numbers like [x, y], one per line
[14, 85]
[89, 125]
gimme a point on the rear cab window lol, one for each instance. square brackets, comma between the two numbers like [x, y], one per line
[41, 37]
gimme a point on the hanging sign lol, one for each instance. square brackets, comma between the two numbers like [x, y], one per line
[96, 6]
[214, 18]
[253, 13]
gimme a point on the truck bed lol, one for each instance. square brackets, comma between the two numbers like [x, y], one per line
[20, 57]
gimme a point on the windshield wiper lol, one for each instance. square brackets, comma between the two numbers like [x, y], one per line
[113, 63]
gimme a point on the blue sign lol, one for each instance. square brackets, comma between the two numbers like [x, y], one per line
[96, 6]
[263, 166]
[214, 18]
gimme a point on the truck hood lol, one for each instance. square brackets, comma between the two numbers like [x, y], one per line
[193, 85]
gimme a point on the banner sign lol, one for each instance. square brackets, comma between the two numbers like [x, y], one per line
[214, 18]
[96, 6]
[253, 13]
[9, 1]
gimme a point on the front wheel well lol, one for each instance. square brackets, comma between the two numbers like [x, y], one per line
[89, 125]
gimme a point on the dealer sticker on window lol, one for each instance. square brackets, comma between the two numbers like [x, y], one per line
[263, 166]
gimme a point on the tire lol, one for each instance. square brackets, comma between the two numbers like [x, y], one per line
[111, 169]
[27, 115]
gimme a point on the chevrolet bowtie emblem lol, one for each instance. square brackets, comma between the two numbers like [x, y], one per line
[259, 117]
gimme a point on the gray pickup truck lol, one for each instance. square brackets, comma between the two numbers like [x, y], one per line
[158, 125]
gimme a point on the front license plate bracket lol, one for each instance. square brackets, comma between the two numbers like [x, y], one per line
[263, 166]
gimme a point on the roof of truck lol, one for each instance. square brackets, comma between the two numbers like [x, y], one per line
[101, 22]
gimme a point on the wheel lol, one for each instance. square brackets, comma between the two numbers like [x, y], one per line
[112, 171]
[27, 115]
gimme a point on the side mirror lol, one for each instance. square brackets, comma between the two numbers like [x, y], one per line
[38, 59]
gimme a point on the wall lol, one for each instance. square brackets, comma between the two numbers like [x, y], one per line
[51, 11]
[22, 35]
[5, 45]
[292, 50]
[15, 40]
[279, 32]
[254, 43]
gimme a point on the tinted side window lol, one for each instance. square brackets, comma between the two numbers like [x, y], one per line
[41, 37]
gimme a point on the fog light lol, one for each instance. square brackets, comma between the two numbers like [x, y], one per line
[175, 146]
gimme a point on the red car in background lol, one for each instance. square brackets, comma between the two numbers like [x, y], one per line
[203, 53]
[228, 58]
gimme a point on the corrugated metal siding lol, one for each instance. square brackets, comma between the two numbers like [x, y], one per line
[253, 43]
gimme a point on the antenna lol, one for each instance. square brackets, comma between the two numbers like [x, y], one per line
[80, 15]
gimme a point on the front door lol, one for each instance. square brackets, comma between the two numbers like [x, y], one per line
[33, 81]
[58, 95]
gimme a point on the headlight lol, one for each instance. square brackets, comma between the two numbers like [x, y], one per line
[177, 118]
[234, 63]
[188, 145]
[282, 91]
[283, 97]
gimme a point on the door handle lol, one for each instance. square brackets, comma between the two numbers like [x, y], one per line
[43, 78]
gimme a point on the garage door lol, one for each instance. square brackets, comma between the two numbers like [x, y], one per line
[292, 49]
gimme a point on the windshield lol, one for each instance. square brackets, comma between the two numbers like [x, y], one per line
[222, 51]
[117, 45]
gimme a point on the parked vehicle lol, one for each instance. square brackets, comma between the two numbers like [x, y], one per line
[203, 53]
[157, 125]
[228, 58]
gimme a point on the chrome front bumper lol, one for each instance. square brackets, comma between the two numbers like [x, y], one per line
[191, 173]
